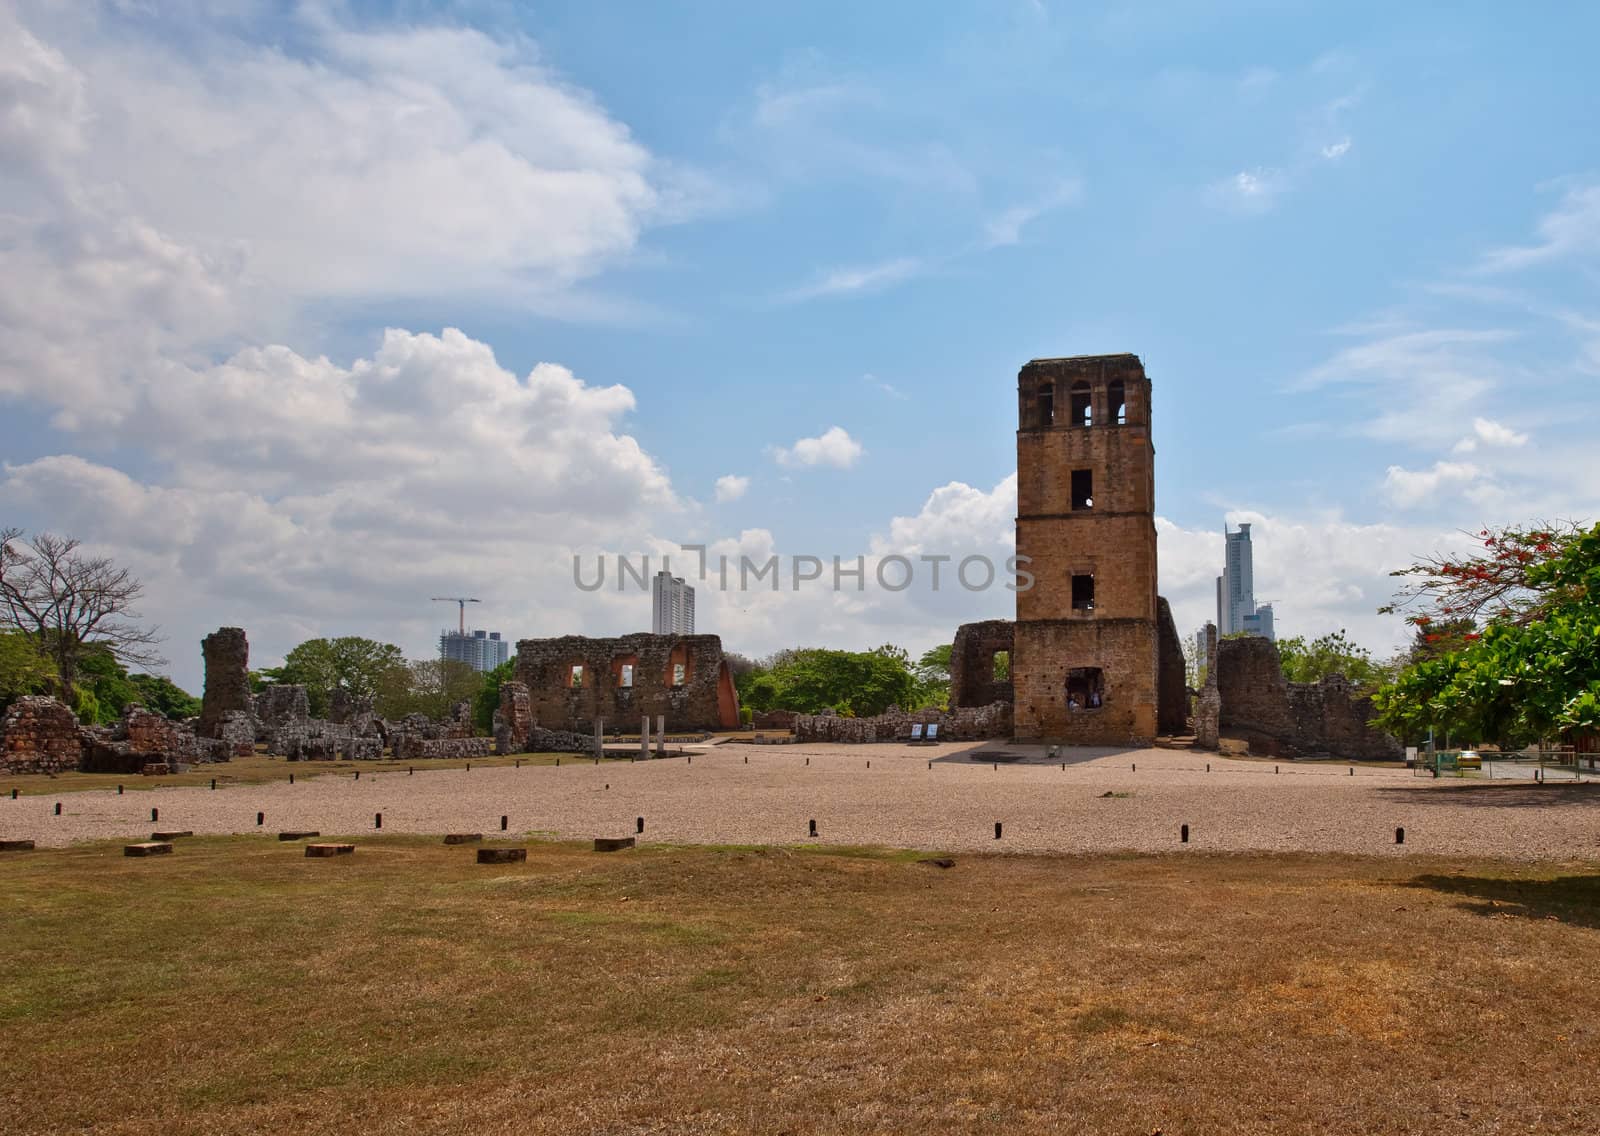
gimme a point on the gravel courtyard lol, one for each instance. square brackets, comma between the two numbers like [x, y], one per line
[1102, 801]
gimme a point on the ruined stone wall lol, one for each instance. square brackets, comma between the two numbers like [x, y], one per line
[1172, 686]
[513, 721]
[282, 704]
[1125, 653]
[706, 700]
[227, 678]
[774, 720]
[39, 735]
[966, 723]
[415, 747]
[1294, 719]
[972, 681]
[141, 738]
[1208, 704]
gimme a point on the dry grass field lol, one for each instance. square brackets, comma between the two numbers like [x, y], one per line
[238, 987]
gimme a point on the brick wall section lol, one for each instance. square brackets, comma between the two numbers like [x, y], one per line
[972, 681]
[227, 661]
[513, 721]
[1294, 719]
[967, 723]
[1113, 540]
[705, 701]
[39, 735]
[1172, 686]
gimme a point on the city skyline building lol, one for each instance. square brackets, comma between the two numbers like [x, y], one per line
[1236, 591]
[671, 605]
[480, 650]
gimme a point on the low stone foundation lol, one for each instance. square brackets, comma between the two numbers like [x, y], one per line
[966, 723]
[140, 738]
[414, 747]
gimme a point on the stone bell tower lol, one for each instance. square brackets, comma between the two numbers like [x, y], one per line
[1084, 663]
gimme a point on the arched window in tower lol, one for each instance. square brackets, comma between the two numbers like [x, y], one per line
[1047, 404]
[1081, 410]
[1117, 399]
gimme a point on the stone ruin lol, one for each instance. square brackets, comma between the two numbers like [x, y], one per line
[227, 679]
[575, 679]
[972, 662]
[965, 723]
[1292, 719]
[138, 739]
[418, 736]
[39, 735]
[516, 732]
[1208, 704]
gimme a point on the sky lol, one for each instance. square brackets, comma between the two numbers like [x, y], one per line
[312, 312]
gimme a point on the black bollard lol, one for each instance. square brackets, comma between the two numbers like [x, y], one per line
[747, 759]
[1063, 767]
[813, 828]
[1399, 836]
[213, 782]
[691, 759]
[997, 830]
[291, 780]
[808, 761]
[58, 808]
[155, 815]
[596, 761]
[410, 770]
[996, 766]
[1275, 769]
[13, 794]
[1352, 771]
[1208, 767]
[640, 824]
[503, 822]
[469, 767]
[119, 790]
[608, 784]
[930, 765]
[1183, 834]
[261, 819]
[377, 820]
[519, 762]
[869, 765]
[558, 763]
[1134, 767]
[358, 775]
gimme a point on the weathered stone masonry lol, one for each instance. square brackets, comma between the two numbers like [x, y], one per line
[1294, 719]
[1084, 670]
[573, 680]
[227, 680]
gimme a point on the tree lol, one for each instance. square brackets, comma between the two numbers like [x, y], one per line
[1534, 669]
[22, 669]
[487, 700]
[71, 605]
[363, 668]
[1326, 655]
[1502, 582]
[933, 676]
[811, 680]
[434, 688]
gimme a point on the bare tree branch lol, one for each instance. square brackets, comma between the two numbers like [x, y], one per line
[71, 604]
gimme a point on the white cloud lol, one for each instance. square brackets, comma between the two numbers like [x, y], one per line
[731, 487]
[1487, 433]
[859, 278]
[833, 447]
[1336, 150]
[1250, 191]
[887, 388]
[1409, 488]
[1005, 228]
[1572, 228]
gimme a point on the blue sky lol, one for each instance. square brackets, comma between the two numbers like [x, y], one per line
[1355, 246]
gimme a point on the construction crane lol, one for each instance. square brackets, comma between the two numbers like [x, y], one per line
[461, 603]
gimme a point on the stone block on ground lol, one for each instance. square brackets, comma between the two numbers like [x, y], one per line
[502, 855]
[171, 834]
[295, 835]
[318, 851]
[16, 846]
[463, 837]
[612, 843]
[148, 848]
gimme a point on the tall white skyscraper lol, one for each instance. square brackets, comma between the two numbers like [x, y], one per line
[1236, 590]
[671, 605]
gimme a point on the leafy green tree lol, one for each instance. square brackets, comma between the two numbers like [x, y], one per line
[432, 687]
[1326, 655]
[933, 677]
[811, 680]
[22, 669]
[165, 697]
[1533, 671]
[487, 700]
[364, 668]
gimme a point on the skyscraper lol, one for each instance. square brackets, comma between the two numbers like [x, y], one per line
[1236, 590]
[671, 605]
[480, 650]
